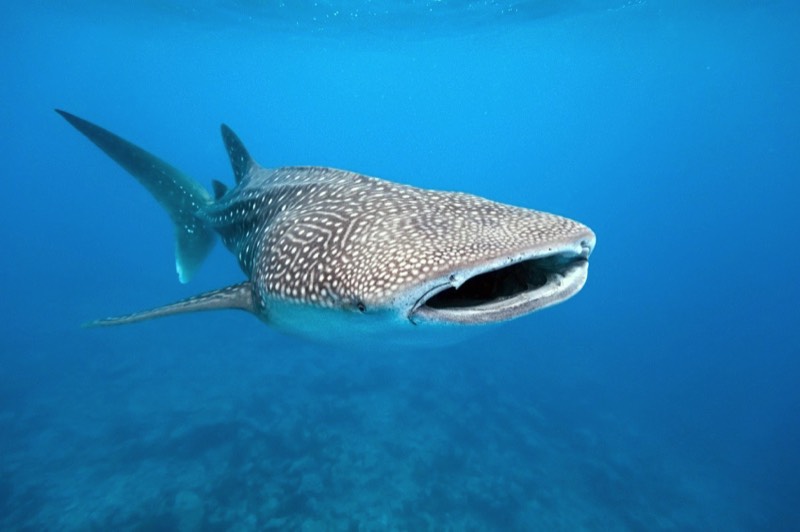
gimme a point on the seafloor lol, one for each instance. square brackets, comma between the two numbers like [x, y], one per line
[136, 429]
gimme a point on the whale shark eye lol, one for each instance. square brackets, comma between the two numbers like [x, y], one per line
[360, 306]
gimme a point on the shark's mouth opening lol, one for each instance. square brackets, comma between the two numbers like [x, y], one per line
[505, 292]
[492, 286]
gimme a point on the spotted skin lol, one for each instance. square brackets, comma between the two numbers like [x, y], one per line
[319, 246]
[334, 238]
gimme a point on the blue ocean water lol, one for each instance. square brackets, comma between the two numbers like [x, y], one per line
[664, 396]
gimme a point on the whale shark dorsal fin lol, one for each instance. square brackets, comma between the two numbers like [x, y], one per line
[220, 188]
[241, 162]
[239, 296]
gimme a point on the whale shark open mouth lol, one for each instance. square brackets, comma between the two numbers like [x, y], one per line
[504, 292]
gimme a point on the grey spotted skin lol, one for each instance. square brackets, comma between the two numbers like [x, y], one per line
[337, 256]
[327, 237]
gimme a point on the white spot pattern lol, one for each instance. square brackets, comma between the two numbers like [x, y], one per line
[339, 239]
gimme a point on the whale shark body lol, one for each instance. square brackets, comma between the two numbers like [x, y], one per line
[337, 256]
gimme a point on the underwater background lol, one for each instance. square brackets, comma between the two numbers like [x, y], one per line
[664, 396]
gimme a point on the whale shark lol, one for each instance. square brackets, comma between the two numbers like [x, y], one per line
[337, 256]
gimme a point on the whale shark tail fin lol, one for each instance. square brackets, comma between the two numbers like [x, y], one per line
[181, 196]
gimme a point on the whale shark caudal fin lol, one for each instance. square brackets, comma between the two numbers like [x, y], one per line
[178, 193]
[239, 296]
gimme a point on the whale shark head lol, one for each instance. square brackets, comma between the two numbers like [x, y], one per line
[384, 256]
[338, 256]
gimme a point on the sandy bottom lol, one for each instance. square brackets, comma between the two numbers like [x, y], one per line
[115, 432]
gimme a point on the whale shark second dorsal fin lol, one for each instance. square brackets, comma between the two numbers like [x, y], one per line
[220, 189]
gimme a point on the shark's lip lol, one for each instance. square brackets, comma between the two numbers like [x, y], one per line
[508, 288]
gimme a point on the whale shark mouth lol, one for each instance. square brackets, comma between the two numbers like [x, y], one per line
[499, 293]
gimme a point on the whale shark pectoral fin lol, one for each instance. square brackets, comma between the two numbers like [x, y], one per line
[239, 296]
